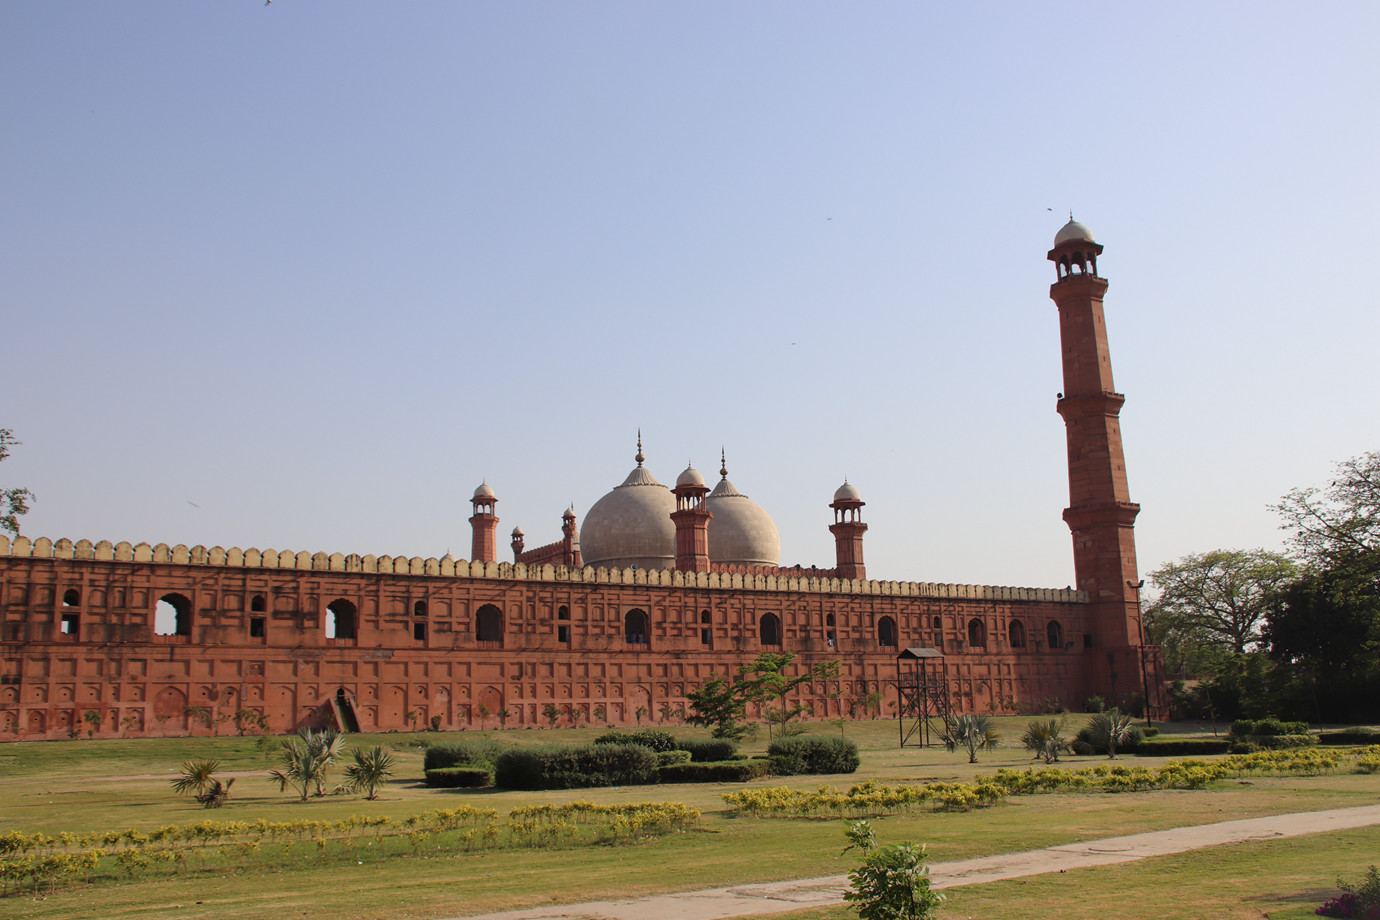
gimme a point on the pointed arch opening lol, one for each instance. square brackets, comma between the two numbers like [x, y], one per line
[886, 632]
[977, 633]
[769, 629]
[1016, 634]
[172, 615]
[342, 619]
[488, 624]
[1054, 633]
[635, 626]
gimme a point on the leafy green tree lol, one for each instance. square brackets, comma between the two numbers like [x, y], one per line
[973, 733]
[371, 769]
[1336, 524]
[1110, 730]
[1214, 604]
[719, 707]
[307, 759]
[552, 713]
[767, 679]
[503, 716]
[14, 502]
[483, 715]
[893, 883]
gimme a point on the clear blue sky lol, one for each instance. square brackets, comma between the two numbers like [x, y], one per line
[301, 275]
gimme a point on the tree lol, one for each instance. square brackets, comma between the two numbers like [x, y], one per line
[552, 713]
[371, 769]
[973, 733]
[14, 502]
[503, 716]
[1213, 603]
[766, 679]
[1338, 523]
[306, 760]
[483, 714]
[718, 706]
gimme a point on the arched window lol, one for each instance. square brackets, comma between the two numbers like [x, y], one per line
[769, 629]
[172, 616]
[342, 620]
[488, 624]
[635, 626]
[1055, 633]
[71, 597]
[1016, 634]
[977, 633]
[258, 605]
[706, 637]
[563, 623]
[937, 623]
[831, 636]
[886, 632]
[419, 609]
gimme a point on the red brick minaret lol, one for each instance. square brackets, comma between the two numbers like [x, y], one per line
[848, 530]
[1101, 514]
[570, 540]
[484, 547]
[692, 522]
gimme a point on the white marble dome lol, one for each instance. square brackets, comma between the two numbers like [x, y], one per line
[740, 532]
[484, 491]
[691, 477]
[631, 526]
[847, 493]
[1073, 232]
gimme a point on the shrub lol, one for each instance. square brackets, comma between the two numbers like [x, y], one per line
[792, 756]
[1353, 736]
[575, 766]
[671, 758]
[1101, 731]
[1095, 704]
[708, 750]
[652, 738]
[728, 771]
[893, 883]
[1149, 731]
[1268, 726]
[1361, 900]
[1179, 747]
[478, 753]
[458, 777]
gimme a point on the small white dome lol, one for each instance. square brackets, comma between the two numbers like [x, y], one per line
[691, 477]
[517, 531]
[1073, 232]
[847, 493]
[484, 491]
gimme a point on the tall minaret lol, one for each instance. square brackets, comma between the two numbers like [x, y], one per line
[692, 522]
[484, 546]
[848, 530]
[1100, 513]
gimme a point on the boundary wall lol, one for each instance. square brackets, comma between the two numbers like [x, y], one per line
[390, 643]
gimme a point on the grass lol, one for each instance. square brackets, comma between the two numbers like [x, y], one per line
[112, 785]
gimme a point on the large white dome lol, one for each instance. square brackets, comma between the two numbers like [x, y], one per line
[631, 526]
[740, 532]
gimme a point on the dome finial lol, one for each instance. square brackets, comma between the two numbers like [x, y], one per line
[639, 458]
[723, 464]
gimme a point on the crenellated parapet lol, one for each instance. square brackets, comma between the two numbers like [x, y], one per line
[807, 580]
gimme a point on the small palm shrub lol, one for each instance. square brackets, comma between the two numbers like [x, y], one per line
[371, 769]
[973, 733]
[1045, 737]
[1108, 732]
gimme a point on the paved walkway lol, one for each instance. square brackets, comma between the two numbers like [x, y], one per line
[780, 897]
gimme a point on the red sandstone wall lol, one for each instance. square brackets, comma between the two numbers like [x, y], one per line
[141, 684]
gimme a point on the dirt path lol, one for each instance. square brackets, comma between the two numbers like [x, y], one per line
[780, 897]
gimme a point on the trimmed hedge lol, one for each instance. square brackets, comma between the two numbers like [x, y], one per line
[458, 777]
[793, 756]
[575, 766]
[478, 753]
[727, 771]
[1270, 726]
[671, 758]
[1251, 743]
[708, 750]
[647, 737]
[1179, 747]
[1349, 736]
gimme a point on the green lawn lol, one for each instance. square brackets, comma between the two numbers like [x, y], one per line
[112, 785]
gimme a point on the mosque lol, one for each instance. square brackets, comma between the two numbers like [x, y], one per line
[657, 591]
